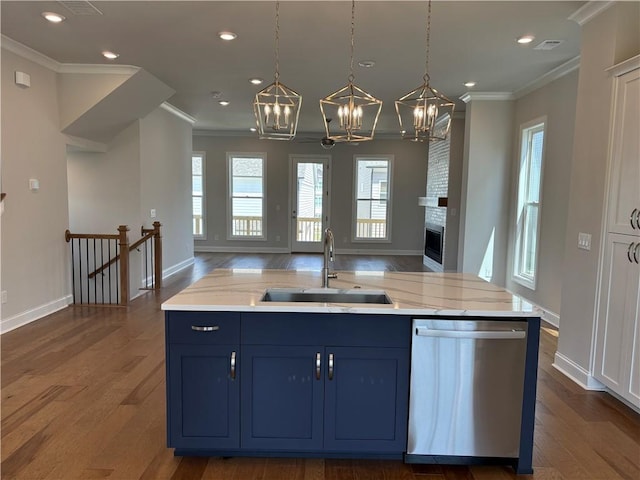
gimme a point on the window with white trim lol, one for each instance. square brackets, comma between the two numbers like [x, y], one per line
[527, 232]
[246, 195]
[372, 197]
[197, 194]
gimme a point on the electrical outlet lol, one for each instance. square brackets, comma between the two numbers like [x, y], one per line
[153, 213]
[4, 296]
[584, 241]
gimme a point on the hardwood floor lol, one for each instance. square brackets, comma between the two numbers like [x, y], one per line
[83, 398]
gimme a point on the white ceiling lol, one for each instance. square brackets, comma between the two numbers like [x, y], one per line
[176, 41]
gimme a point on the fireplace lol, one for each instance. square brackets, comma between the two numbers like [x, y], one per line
[433, 242]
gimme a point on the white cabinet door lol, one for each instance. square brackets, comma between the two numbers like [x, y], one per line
[617, 347]
[624, 196]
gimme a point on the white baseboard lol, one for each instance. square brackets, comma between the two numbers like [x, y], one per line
[364, 251]
[208, 249]
[576, 373]
[545, 314]
[167, 272]
[11, 323]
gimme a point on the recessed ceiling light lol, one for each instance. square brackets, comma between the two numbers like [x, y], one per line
[224, 103]
[525, 39]
[367, 63]
[110, 55]
[253, 129]
[54, 17]
[470, 84]
[256, 81]
[227, 35]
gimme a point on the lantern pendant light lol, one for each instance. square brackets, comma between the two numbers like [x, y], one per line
[424, 113]
[277, 107]
[357, 111]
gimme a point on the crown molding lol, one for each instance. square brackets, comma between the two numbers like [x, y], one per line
[486, 96]
[558, 72]
[589, 11]
[624, 67]
[29, 53]
[177, 112]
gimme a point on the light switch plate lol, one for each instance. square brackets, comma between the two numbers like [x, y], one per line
[584, 241]
[153, 213]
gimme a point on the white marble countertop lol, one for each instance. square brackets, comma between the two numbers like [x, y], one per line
[412, 293]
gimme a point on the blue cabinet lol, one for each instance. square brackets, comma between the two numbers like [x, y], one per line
[327, 397]
[203, 392]
[287, 384]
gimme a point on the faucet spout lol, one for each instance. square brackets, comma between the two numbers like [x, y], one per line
[328, 257]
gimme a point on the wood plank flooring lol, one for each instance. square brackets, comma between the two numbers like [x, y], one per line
[83, 398]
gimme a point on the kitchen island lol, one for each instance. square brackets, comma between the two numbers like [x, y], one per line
[328, 379]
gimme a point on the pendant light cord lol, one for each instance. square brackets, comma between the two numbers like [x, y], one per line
[277, 76]
[426, 63]
[353, 16]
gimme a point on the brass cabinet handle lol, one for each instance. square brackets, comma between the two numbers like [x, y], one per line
[635, 215]
[232, 372]
[331, 361]
[318, 365]
[631, 245]
[198, 328]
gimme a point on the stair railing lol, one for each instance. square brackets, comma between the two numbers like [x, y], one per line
[100, 265]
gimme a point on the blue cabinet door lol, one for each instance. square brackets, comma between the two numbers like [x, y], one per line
[366, 399]
[281, 398]
[203, 397]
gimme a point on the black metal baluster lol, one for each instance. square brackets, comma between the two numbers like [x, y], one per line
[117, 277]
[86, 242]
[109, 252]
[101, 271]
[73, 271]
[146, 260]
[95, 282]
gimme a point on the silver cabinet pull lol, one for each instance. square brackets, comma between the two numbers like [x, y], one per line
[635, 215]
[635, 252]
[232, 372]
[330, 366]
[198, 328]
[631, 246]
[638, 219]
[318, 362]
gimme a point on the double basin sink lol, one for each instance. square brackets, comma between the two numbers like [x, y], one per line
[326, 295]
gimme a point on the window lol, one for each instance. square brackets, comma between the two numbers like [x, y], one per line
[528, 206]
[372, 197]
[247, 194]
[197, 194]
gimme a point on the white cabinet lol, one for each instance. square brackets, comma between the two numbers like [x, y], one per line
[617, 360]
[624, 192]
[617, 352]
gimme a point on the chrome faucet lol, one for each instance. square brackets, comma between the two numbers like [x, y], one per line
[328, 257]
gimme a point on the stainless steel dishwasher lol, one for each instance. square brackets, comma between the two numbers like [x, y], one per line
[467, 380]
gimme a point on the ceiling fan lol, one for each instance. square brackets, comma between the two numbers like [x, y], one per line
[325, 142]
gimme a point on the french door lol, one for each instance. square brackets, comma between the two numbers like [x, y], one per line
[309, 201]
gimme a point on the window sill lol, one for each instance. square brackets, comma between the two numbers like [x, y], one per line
[525, 282]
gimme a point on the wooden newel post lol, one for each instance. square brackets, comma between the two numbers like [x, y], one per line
[157, 260]
[124, 264]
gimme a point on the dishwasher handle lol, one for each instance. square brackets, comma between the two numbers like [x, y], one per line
[474, 334]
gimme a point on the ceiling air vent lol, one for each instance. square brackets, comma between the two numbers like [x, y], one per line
[80, 7]
[548, 45]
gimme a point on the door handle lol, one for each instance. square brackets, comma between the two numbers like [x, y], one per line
[479, 334]
[318, 365]
[331, 365]
[232, 370]
[197, 328]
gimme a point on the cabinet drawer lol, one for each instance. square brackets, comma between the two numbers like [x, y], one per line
[203, 327]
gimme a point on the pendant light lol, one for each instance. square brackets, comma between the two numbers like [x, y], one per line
[277, 107]
[424, 113]
[354, 112]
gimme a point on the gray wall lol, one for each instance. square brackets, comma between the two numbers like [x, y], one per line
[165, 184]
[485, 186]
[608, 39]
[556, 101]
[409, 183]
[35, 262]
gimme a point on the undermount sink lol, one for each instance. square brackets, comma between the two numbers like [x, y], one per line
[326, 295]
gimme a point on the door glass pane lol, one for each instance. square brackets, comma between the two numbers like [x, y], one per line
[309, 202]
